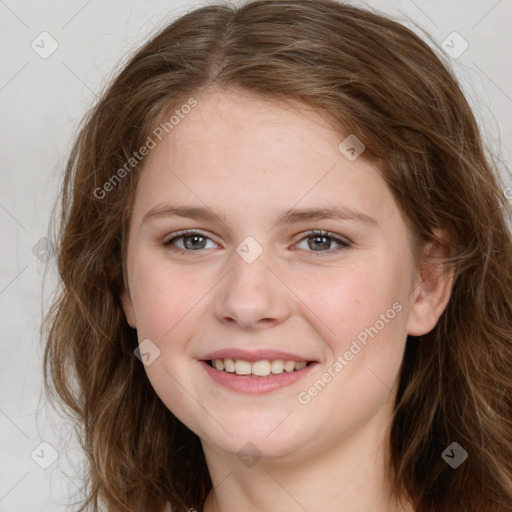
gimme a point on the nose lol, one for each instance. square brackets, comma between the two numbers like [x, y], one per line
[252, 295]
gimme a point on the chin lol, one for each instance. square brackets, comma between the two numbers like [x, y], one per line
[273, 439]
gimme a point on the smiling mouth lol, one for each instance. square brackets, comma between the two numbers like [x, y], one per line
[263, 368]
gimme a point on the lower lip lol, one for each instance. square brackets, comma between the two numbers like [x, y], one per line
[256, 385]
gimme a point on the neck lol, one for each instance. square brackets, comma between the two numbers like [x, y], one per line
[351, 475]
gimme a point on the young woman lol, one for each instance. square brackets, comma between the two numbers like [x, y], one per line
[286, 274]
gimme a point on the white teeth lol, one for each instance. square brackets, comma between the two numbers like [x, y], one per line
[289, 366]
[229, 365]
[261, 368]
[277, 366]
[243, 367]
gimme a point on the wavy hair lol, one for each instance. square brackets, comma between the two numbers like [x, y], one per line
[370, 76]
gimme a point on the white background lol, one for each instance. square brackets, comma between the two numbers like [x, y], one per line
[41, 102]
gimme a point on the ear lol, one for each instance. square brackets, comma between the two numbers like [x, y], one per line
[128, 309]
[435, 282]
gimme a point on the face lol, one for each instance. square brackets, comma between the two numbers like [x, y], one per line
[296, 261]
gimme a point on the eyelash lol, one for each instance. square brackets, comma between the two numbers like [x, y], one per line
[343, 243]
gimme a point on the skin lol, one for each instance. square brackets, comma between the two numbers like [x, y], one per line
[246, 160]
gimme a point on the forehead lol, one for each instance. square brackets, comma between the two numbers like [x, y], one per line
[240, 152]
[236, 125]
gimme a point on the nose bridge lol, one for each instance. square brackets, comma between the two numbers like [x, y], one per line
[251, 294]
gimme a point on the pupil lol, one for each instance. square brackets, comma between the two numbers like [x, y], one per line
[325, 243]
[192, 245]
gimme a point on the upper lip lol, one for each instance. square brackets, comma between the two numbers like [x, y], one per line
[260, 354]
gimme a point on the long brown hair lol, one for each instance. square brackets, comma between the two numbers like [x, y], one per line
[372, 77]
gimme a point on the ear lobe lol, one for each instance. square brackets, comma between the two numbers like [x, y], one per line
[433, 291]
[128, 309]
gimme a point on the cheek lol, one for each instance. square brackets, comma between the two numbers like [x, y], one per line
[362, 321]
[163, 297]
[167, 304]
[347, 301]
[360, 312]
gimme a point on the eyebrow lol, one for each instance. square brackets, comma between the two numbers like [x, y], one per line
[291, 216]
